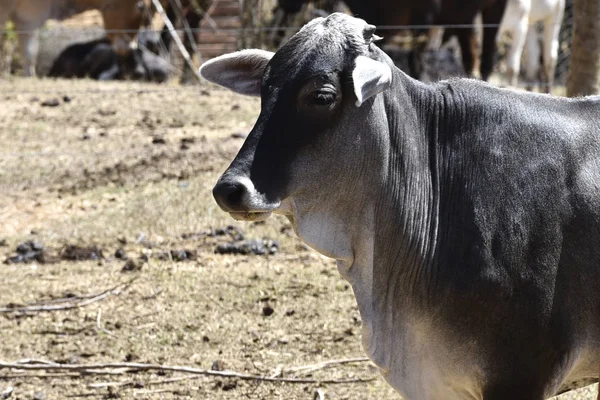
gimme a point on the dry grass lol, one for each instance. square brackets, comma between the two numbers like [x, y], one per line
[96, 170]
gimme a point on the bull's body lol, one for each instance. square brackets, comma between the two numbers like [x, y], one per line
[465, 217]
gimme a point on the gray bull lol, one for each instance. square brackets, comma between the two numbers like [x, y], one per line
[465, 217]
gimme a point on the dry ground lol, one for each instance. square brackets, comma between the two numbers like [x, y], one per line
[130, 166]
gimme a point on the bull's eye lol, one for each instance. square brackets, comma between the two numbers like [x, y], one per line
[319, 95]
[323, 97]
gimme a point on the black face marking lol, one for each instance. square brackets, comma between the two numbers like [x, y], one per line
[305, 88]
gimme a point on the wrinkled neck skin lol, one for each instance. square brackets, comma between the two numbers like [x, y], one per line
[379, 235]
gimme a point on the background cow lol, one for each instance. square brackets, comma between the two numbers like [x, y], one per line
[520, 19]
[97, 59]
[122, 19]
[433, 12]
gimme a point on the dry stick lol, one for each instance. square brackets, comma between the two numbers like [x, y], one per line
[176, 38]
[153, 295]
[135, 367]
[186, 28]
[68, 306]
[34, 361]
[99, 323]
[207, 16]
[79, 297]
[101, 385]
[325, 364]
[155, 391]
[46, 375]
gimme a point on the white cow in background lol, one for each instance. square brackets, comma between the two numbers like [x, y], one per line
[520, 18]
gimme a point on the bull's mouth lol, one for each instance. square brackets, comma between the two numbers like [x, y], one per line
[250, 215]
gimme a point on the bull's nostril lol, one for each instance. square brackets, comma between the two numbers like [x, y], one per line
[229, 195]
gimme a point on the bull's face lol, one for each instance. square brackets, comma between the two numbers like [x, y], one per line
[310, 139]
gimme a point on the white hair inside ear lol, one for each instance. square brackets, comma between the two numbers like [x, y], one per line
[370, 77]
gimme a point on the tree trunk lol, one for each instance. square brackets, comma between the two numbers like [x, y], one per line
[584, 73]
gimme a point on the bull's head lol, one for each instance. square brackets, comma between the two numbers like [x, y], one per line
[312, 151]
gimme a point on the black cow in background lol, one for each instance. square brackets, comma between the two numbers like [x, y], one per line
[427, 12]
[97, 59]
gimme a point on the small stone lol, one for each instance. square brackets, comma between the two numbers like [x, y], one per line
[112, 393]
[132, 265]
[268, 310]
[229, 385]
[24, 247]
[218, 365]
[67, 99]
[50, 103]
[178, 255]
[120, 254]
[39, 396]
[79, 253]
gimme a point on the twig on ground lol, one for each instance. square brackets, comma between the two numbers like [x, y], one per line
[45, 375]
[99, 324]
[145, 326]
[55, 305]
[137, 367]
[325, 364]
[71, 299]
[150, 314]
[100, 385]
[153, 295]
[154, 391]
[34, 361]
[89, 394]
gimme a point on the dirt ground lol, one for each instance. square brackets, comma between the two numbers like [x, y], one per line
[124, 171]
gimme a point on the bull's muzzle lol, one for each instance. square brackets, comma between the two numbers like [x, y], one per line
[238, 197]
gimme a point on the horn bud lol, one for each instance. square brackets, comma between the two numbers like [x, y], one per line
[369, 34]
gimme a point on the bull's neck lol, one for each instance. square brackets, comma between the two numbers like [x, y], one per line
[394, 263]
[404, 249]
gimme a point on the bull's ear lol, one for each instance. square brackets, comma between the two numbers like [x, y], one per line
[241, 71]
[369, 77]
